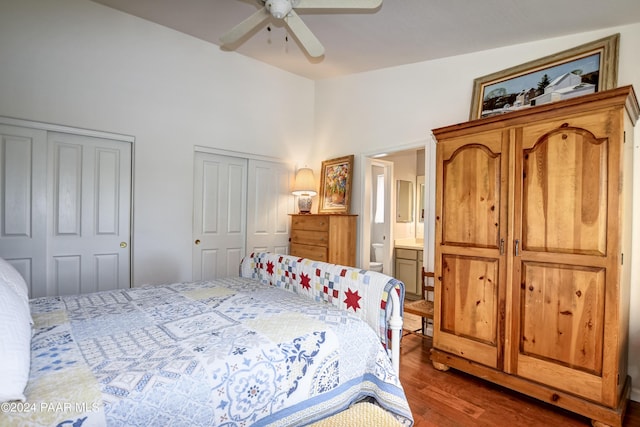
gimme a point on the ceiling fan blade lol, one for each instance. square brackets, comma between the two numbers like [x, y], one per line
[237, 32]
[337, 4]
[304, 35]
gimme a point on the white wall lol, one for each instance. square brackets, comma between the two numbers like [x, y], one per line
[383, 109]
[78, 63]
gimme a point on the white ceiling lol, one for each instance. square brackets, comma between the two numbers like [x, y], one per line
[399, 32]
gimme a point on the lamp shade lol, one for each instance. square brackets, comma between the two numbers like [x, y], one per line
[305, 184]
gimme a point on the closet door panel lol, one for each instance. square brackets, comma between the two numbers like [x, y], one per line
[23, 216]
[89, 197]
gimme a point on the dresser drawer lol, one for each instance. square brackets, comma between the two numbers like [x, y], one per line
[318, 253]
[310, 222]
[309, 237]
[324, 237]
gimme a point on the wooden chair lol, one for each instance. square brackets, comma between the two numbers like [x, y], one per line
[424, 306]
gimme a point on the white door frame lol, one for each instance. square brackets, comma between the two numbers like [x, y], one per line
[50, 127]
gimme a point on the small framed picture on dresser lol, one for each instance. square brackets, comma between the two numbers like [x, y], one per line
[335, 185]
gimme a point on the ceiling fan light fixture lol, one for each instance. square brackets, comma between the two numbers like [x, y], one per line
[286, 10]
[278, 8]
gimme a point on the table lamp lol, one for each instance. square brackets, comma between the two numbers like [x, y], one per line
[304, 187]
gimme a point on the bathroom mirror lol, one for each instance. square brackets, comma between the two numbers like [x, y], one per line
[404, 201]
[420, 198]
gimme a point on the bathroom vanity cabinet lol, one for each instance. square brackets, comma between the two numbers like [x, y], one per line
[408, 268]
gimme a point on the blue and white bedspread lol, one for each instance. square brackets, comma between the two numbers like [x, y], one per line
[226, 353]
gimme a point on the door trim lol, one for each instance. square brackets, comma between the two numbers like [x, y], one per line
[50, 127]
[239, 154]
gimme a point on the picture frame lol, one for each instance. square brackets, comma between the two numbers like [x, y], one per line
[335, 185]
[591, 67]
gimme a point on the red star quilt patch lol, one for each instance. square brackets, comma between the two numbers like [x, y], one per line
[352, 300]
[305, 281]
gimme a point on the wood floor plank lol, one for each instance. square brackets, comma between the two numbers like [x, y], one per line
[456, 399]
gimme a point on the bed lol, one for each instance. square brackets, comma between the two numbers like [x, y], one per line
[290, 341]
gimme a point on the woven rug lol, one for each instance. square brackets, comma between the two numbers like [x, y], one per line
[362, 414]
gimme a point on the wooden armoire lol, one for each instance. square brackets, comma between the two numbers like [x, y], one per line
[533, 245]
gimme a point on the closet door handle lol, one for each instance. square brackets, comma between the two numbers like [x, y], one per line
[501, 246]
[517, 247]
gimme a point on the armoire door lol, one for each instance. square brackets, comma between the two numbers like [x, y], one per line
[471, 208]
[569, 176]
[65, 210]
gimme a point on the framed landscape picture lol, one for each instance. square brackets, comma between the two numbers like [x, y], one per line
[588, 68]
[335, 185]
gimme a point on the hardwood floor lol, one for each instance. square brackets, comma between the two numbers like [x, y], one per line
[453, 398]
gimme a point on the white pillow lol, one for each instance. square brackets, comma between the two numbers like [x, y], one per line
[15, 344]
[10, 276]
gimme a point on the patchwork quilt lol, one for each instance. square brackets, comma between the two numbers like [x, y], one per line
[362, 292]
[232, 352]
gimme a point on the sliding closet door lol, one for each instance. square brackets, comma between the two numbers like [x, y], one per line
[89, 214]
[65, 209]
[240, 206]
[219, 215]
[268, 207]
[23, 211]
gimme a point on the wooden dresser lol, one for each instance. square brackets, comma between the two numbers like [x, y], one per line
[324, 237]
[533, 251]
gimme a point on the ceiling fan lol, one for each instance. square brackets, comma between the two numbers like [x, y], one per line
[286, 10]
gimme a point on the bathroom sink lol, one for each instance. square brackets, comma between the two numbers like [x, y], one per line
[409, 243]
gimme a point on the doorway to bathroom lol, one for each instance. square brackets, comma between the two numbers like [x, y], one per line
[397, 205]
[377, 216]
